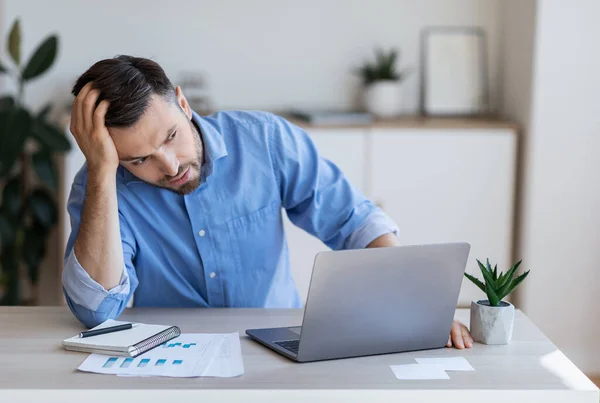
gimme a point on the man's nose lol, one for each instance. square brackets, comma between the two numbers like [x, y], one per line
[170, 164]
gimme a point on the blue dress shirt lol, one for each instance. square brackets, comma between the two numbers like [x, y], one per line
[223, 245]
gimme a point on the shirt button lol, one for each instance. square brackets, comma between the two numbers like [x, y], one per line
[212, 275]
[201, 232]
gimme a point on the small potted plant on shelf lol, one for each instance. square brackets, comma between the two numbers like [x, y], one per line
[382, 84]
[492, 319]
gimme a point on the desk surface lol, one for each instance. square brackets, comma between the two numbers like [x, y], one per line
[33, 363]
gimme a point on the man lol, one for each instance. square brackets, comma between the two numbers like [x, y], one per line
[186, 210]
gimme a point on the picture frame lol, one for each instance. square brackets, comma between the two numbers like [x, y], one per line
[454, 76]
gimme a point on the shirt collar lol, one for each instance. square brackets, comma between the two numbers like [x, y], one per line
[213, 146]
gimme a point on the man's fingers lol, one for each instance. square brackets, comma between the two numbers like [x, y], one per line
[449, 344]
[89, 105]
[85, 89]
[456, 334]
[466, 336]
[77, 109]
[100, 114]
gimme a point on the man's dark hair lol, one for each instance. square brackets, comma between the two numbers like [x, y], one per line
[128, 83]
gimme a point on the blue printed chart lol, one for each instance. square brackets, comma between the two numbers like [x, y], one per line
[188, 355]
[142, 363]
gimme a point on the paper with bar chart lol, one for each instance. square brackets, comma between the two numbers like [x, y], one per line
[189, 355]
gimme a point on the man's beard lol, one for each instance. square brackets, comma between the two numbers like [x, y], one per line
[193, 183]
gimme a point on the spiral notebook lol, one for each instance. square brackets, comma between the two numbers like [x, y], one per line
[126, 343]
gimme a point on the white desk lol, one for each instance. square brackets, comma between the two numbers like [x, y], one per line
[34, 367]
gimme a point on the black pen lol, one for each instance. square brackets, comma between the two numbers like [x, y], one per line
[105, 330]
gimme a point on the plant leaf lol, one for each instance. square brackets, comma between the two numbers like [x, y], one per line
[50, 136]
[492, 296]
[8, 230]
[502, 289]
[43, 113]
[11, 198]
[487, 275]
[519, 280]
[14, 42]
[33, 250]
[389, 67]
[43, 208]
[489, 286]
[7, 102]
[476, 281]
[42, 58]
[515, 283]
[382, 68]
[502, 279]
[44, 168]
[15, 124]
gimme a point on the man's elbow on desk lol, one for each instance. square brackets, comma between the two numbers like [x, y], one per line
[90, 318]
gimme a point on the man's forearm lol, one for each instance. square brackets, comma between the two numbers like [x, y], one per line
[98, 245]
[384, 241]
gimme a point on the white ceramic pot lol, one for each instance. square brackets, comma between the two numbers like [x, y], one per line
[384, 98]
[492, 324]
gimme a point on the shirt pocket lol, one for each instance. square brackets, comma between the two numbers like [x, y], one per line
[257, 239]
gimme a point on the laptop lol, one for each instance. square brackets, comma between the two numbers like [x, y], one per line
[374, 301]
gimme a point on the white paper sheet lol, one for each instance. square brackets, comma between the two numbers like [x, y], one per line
[419, 371]
[449, 363]
[189, 355]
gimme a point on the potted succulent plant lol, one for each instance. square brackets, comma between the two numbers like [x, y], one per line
[492, 319]
[383, 91]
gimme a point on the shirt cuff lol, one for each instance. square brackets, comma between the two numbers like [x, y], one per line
[376, 224]
[85, 291]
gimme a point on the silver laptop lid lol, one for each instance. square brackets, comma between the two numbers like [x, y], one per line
[376, 301]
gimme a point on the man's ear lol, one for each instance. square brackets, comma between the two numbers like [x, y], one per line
[183, 103]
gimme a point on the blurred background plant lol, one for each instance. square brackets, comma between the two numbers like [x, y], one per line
[28, 176]
[382, 68]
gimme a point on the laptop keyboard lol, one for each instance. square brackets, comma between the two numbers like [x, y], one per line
[290, 345]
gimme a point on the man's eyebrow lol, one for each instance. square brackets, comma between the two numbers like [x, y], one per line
[131, 159]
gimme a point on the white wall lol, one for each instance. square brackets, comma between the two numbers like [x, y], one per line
[268, 54]
[259, 54]
[561, 192]
[518, 19]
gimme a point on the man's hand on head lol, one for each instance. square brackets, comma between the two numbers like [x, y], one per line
[90, 132]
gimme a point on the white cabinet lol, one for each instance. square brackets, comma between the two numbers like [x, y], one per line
[439, 185]
[346, 149]
[449, 185]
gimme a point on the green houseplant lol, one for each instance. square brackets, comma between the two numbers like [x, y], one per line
[382, 82]
[28, 178]
[492, 319]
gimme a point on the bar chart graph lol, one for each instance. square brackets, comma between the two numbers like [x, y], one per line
[189, 355]
[110, 362]
[126, 363]
[175, 345]
[121, 362]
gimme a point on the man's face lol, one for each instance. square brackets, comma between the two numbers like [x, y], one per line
[163, 148]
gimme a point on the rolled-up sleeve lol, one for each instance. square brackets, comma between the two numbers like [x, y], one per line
[89, 301]
[317, 196]
[376, 224]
